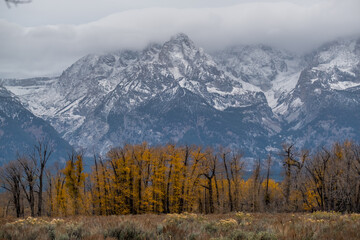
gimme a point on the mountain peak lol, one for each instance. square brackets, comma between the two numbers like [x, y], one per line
[180, 40]
[180, 37]
[178, 51]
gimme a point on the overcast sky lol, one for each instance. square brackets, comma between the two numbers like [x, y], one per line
[44, 37]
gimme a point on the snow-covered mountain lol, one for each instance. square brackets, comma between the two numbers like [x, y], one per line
[20, 130]
[249, 97]
[324, 105]
[275, 72]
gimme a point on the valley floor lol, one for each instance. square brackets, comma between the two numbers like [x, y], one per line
[317, 225]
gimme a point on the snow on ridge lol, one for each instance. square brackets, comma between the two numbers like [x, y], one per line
[341, 55]
[343, 85]
[175, 72]
[133, 79]
[282, 85]
[212, 89]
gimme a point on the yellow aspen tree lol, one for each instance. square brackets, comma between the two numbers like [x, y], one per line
[60, 204]
[147, 172]
[174, 178]
[159, 180]
[118, 180]
[97, 188]
[274, 192]
[74, 181]
[186, 151]
[140, 155]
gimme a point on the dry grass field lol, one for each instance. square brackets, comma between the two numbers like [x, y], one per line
[318, 225]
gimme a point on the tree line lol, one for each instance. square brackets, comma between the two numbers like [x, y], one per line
[137, 179]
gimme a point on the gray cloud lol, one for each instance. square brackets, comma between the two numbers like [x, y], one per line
[48, 49]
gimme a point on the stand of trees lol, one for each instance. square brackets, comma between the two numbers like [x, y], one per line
[24, 178]
[137, 179]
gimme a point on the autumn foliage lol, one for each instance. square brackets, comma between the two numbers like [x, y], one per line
[139, 179]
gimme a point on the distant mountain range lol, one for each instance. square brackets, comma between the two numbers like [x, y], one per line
[248, 97]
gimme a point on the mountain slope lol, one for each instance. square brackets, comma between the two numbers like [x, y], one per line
[249, 97]
[326, 99]
[20, 130]
[160, 78]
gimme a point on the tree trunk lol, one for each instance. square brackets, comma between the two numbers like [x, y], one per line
[229, 184]
[211, 200]
[167, 206]
[181, 202]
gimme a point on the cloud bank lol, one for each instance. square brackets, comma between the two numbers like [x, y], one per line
[49, 49]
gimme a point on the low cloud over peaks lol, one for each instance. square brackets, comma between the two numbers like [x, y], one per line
[49, 49]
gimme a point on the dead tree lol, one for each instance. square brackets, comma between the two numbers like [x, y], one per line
[292, 159]
[289, 161]
[27, 181]
[41, 155]
[236, 166]
[184, 175]
[10, 180]
[16, 2]
[267, 195]
[223, 155]
[210, 174]
[317, 169]
[255, 194]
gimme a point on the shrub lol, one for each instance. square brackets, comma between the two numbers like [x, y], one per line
[266, 236]
[5, 235]
[63, 237]
[159, 229]
[318, 215]
[127, 231]
[211, 228]
[243, 218]
[75, 231]
[239, 235]
[51, 232]
[244, 235]
[181, 218]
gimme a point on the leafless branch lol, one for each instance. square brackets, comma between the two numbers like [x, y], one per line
[16, 2]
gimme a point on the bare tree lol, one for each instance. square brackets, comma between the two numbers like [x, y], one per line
[49, 177]
[256, 188]
[356, 167]
[16, 2]
[266, 194]
[317, 169]
[27, 180]
[10, 181]
[186, 152]
[41, 154]
[236, 166]
[209, 173]
[224, 153]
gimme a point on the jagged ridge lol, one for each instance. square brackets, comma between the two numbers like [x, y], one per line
[252, 97]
